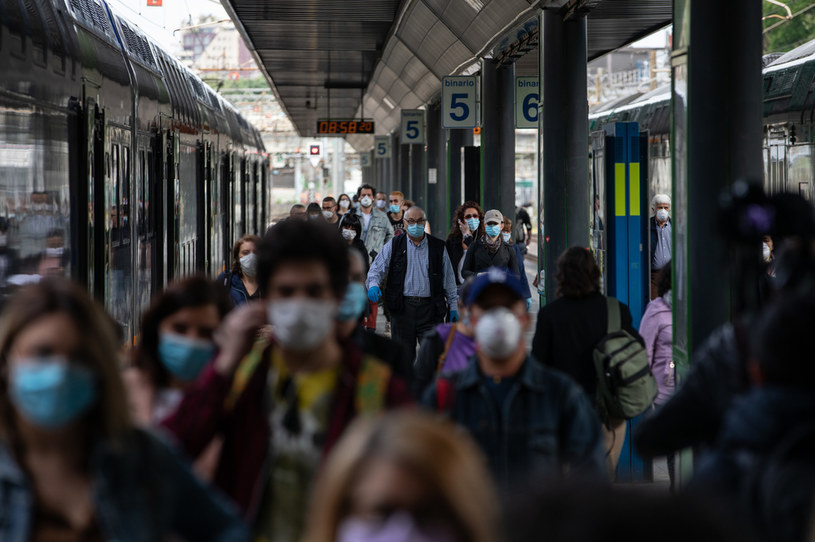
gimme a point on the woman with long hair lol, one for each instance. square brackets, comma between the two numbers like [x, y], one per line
[468, 226]
[72, 467]
[404, 476]
[241, 279]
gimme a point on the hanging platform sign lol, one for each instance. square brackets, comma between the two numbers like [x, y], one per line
[459, 99]
[527, 98]
[382, 146]
[412, 127]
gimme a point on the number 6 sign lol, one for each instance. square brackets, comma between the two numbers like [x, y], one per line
[527, 97]
[458, 99]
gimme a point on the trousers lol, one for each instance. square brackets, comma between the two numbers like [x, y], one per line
[410, 326]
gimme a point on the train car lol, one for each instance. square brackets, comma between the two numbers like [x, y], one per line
[118, 166]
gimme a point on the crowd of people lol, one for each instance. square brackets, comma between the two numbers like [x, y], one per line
[263, 405]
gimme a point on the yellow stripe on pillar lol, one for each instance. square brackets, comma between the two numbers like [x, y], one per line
[634, 189]
[619, 189]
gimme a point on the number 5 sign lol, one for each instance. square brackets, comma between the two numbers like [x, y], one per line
[382, 146]
[527, 97]
[412, 126]
[458, 99]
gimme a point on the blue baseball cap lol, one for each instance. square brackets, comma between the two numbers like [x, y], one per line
[495, 275]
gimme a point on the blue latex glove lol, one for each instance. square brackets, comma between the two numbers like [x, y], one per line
[374, 294]
[454, 315]
[528, 304]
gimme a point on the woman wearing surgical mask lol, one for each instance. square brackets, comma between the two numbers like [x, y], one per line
[351, 230]
[490, 250]
[506, 235]
[241, 280]
[72, 467]
[315, 212]
[404, 477]
[468, 226]
[343, 204]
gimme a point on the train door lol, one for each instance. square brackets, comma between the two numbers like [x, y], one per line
[145, 233]
[171, 195]
[202, 217]
[226, 208]
[90, 230]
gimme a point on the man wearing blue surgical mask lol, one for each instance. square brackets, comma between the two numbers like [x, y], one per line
[420, 285]
[490, 250]
[660, 238]
[281, 405]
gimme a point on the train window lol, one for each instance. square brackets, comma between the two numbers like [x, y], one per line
[148, 223]
[113, 223]
[124, 196]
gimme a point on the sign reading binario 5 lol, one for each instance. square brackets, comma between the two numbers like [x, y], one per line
[459, 102]
[412, 126]
[382, 146]
[527, 97]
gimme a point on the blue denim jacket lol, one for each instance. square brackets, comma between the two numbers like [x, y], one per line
[143, 492]
[545, 428]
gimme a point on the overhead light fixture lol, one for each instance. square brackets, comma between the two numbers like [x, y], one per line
[477, 5]
[389, 103]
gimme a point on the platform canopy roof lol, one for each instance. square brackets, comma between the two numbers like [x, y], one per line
[371, 58]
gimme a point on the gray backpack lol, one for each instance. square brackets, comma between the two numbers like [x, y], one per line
[625, 385]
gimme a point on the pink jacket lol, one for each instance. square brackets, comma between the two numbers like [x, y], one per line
[657, 331]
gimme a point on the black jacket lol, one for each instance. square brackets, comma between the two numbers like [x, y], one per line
[479, 259]
[567, 331]
[392, 352]
[693, 416]
[454, 250]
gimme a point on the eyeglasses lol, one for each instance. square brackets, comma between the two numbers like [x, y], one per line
[468, 217]
[420, 222]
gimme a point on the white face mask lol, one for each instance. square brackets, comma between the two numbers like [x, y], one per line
[380, 204]
[498, 333]
[366, 201]
[662, 215]
[348, 235]
[399, 527]
[328, 214]
[249, 265]
[345, 204]
[301, 324]
[765, 252]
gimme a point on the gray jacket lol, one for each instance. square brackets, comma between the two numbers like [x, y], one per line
[380, 231]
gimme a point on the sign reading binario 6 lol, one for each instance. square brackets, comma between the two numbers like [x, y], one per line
[412, 126]
[382, 146]
[459, 102]
[527, 97]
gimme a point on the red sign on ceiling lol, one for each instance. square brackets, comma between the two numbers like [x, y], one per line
[154, 3]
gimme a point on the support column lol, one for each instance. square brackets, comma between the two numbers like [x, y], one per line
[498, 137]
[403, 180]
[457, 140]
[564, 191]
[395, 169]
[418, 175]
[437, 193]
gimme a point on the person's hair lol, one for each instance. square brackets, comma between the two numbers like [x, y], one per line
[339, 198]
[191, 292]
[782, 342]
[664, 284]
[108, 417]
[508, 222]
[352, 220]
[660, 198]
[408, 203]
[418, 208]
[367, 187]
[314, 208]
[577, 273]
[297, 241]
[296, 206]
[439, 455]
[398, 193]
[236, 250]
[464, 291]
[329, 199]
[459, 215]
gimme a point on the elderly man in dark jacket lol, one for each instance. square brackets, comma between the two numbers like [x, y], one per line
[528, 419]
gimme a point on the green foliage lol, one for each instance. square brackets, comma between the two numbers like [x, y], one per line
[792, 33]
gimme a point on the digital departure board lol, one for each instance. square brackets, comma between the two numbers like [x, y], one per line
[343, 127]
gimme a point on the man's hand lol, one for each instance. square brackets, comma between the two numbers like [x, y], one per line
[374, 294]
[454, 315]
[237, 334]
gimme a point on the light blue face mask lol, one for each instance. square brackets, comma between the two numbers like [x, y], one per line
[473, 223]
[51, 392]
[506, 236]
[416, 230]
[352, 305]
[493, 231]
[395, 209]
[184, 357]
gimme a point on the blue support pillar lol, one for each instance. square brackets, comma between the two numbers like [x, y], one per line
[437, 207]
[498, 137]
